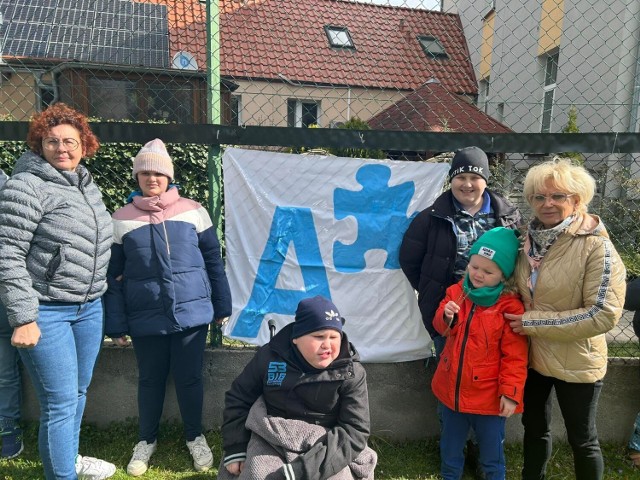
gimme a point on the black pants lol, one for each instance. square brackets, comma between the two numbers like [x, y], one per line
[182, 354]
[578, 403]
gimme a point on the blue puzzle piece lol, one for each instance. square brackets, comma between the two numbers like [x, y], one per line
[381, 213]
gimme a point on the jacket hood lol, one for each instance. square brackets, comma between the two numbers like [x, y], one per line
[588, 224]
[30, 162]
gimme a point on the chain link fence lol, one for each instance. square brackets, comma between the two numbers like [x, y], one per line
[475, 72]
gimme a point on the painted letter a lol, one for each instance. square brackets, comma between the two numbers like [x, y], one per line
[290, 225]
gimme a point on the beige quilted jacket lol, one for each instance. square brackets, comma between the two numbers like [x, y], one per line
[578, 297]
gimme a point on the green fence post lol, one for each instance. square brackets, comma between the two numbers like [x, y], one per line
[214, 160]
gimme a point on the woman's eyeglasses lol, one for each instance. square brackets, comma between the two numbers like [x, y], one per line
[556, 198]
[52, 144]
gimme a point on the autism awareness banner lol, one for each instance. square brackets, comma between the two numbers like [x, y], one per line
[297, 226]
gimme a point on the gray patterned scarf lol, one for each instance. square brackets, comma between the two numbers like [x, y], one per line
[542, 239]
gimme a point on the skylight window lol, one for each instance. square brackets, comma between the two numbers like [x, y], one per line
[339, 37]
[432, 47]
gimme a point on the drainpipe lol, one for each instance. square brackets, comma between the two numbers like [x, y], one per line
[635, 98]
[214, 162]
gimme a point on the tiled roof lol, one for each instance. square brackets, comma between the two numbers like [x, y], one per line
[432, 108]
[272, 39]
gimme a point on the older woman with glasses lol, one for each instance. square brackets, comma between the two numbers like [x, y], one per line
[55, 239]
[572, 283]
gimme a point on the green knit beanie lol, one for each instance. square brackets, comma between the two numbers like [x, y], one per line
[499, 245]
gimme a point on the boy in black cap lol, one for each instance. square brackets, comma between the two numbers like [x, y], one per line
[435, 249]
[308, 371]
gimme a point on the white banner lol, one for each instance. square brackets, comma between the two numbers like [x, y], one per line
[303, 225]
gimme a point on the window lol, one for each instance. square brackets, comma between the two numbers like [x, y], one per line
[128, 100]
[170, 101]
[501, 112]
[432, 47]
[236, 108]
[124, 95]
[47, 96]
[302, 113]
[483, 97]
[113, 99]
[550, 75]
[338, 37]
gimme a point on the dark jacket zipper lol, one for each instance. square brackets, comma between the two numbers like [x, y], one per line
[95, 251]
[460, 363]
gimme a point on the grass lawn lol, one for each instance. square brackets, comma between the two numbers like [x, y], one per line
[397, 461]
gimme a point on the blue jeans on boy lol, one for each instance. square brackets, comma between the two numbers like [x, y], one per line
[439, 343]
[490, 435]
[10, 387]
[9, 372]
[60, 367]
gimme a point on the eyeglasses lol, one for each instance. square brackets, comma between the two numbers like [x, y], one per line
[52, 144]
[556, 198]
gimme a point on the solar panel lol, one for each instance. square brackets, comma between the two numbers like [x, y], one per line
[103, 31]
[25, 39]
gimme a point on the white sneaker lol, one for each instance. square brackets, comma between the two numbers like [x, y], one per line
[89, 468]
[201, 453]
[139, 462]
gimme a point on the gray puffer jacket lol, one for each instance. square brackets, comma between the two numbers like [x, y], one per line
[55, 238]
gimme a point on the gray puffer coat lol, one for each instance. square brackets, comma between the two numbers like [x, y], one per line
[55, 238]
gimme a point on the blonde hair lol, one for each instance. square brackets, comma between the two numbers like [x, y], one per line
[510, 285]
[566, 176]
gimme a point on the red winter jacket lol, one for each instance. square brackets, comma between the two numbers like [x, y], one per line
[483, 359]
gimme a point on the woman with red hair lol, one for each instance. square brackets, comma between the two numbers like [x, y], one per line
[55, 239]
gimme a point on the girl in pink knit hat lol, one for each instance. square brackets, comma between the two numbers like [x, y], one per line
[166, 285]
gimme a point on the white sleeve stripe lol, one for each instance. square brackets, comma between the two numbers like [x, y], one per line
[236, 457]
[199, 217]
[605, 283]
[288, 472]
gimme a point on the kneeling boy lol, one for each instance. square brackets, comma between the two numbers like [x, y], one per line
[314, 417]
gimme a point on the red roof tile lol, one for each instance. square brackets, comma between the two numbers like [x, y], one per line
[269, 38]
[432, 108]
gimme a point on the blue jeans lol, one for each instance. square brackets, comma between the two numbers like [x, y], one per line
[439, 342]
[490, 435]
[578, 403]
[10, 387]
[60, 367]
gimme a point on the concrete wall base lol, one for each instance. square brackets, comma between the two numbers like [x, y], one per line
[402, 406]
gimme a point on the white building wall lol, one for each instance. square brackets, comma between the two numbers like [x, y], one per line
[597, 61]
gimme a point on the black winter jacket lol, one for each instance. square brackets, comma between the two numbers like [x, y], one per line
[335, 398]
[429, 249]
